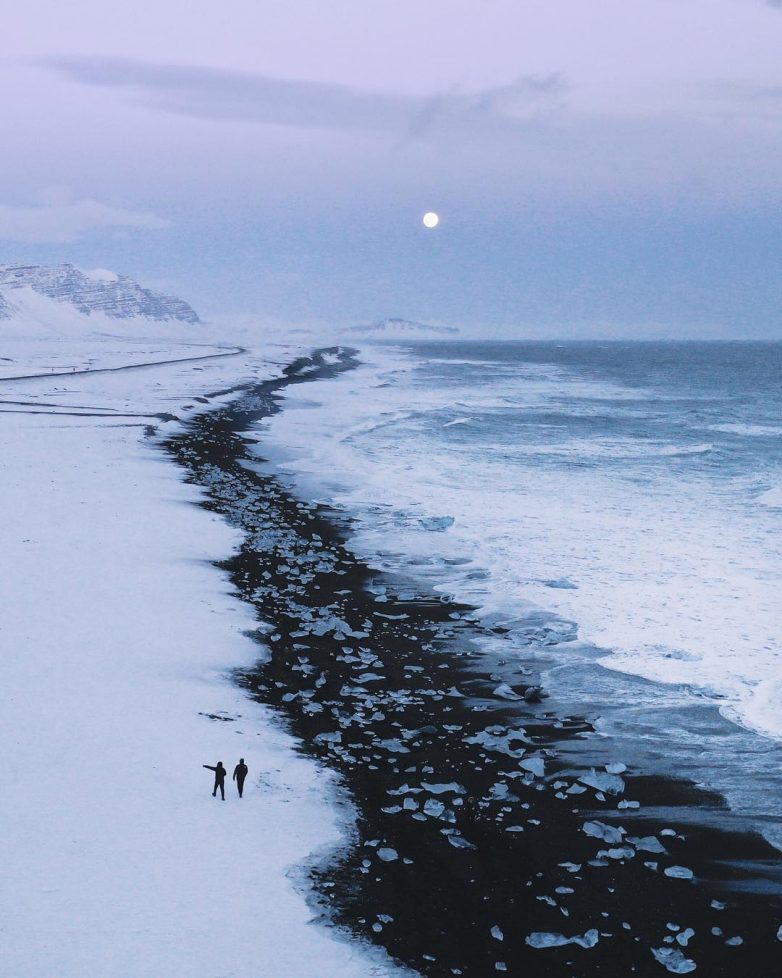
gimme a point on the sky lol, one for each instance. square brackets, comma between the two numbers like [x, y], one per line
[601, 169]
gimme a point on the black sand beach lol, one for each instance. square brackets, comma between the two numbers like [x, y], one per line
[490, 838]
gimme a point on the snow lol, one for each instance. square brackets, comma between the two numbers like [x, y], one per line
[100, 274]
[117, 637]
[39, 317]
[115, 296]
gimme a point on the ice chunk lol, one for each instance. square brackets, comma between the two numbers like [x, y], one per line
[434, 807]
[620, 852]
[672, 959]
[648, 843]
[612, 784]
[387, 854]
[497, 934]
[535, 765]
[328, 738]
[590, 938]
[608, 833]
[685, 937]
[505, 692]
[495, 739]
[779, 933]
[679, 872]
[542, 939]
[734, 941]
[441, 789]
[616, 768]
[393, 746]
[460, 842]
[436, 522]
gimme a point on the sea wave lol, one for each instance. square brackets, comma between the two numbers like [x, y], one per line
[624, 449]
[664, 557]
[748, 430]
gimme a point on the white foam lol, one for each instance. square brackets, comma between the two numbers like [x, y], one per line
[771, 498]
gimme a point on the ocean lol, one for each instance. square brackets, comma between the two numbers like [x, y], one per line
[626, 498]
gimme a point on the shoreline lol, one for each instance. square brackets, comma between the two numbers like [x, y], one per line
[474, 816]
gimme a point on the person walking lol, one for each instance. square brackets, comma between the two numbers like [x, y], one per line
[220, 774]
[240, 773]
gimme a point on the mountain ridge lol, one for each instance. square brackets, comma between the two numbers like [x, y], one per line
[98, 291]
[398, 327]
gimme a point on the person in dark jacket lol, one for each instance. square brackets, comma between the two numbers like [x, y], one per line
[220, 773]
[240, 773]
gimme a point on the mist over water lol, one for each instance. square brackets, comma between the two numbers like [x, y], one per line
[634, 490]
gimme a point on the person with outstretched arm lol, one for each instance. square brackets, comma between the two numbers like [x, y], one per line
[220, 773]
[240, 773]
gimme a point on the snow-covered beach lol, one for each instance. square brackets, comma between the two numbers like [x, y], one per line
[118, 637]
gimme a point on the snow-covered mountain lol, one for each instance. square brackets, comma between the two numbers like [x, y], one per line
[88, 292]
[395, 329]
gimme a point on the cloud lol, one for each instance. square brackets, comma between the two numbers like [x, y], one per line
[214, 93]
[59, 220]
[524, 101]
[741, 99]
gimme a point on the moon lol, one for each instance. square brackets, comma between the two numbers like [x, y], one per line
[431, 220]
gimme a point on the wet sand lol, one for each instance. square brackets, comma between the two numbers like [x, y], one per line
[489, 832]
